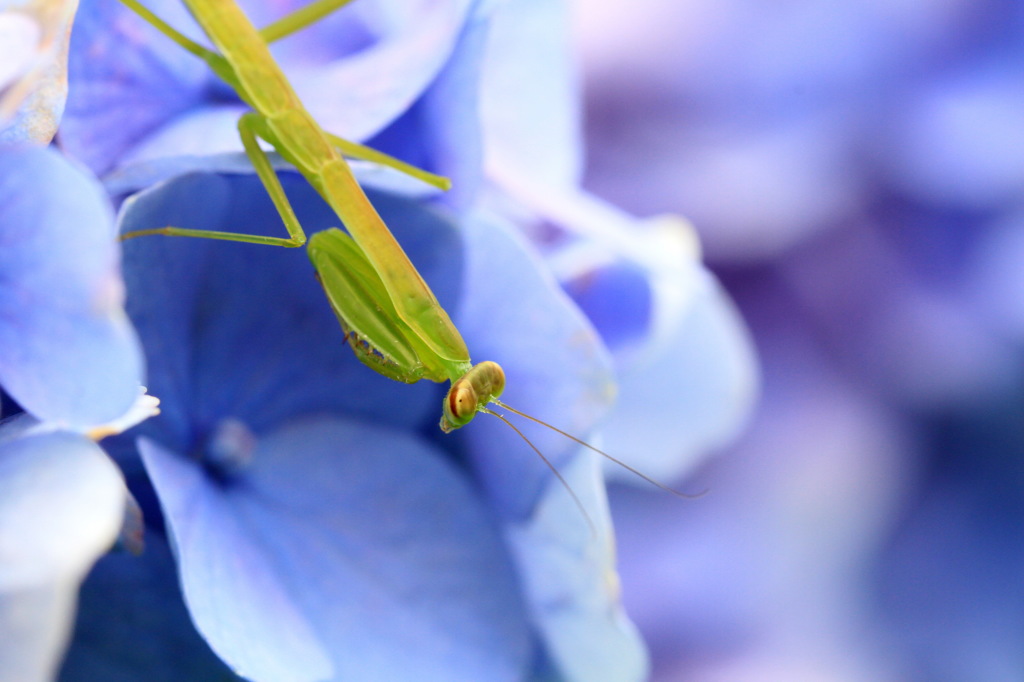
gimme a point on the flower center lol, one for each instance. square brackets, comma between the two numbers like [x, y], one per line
[229, 449]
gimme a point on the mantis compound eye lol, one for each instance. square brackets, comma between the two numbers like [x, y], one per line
[462, 401]
[460, 405]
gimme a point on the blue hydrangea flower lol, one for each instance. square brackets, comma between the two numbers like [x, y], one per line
[322, 525]
[69, 353]
[69, 356]
[319, 523]
[61, 507]
[71, 359]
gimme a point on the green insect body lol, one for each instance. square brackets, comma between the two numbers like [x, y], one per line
[392, 320]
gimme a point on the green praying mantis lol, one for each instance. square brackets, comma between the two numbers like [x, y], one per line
[391, 318]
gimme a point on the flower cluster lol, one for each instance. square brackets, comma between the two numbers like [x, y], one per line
[856, 172]
[303, 517]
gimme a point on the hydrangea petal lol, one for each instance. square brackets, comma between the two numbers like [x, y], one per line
[129, 80]
[530, 99]
[356, 97]
[442, 130]
[61, 505]
[675, 326]
[569, 575]
[229, 580]
[67, 351]
[132, 624]
[200, 131]
[556, 367]
[689, 396]
[364, 536]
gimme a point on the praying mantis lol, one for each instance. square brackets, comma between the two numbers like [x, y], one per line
[391, 318]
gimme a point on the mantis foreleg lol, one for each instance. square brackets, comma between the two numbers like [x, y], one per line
[214, 60]
[249, 126]
[357, 151]
[300, 19]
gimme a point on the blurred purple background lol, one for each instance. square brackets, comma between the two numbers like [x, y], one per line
[856, 172]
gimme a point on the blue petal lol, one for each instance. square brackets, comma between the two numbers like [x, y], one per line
[61, 505]
[245, 331]
[617, 299]
[132, 624]
[208, 129]
[687, 396]
[68, 352]
[568, 572]
[128, 80]
[530, 99]
[441, 132]
[348, 550]
[358, 97]
[556, 367]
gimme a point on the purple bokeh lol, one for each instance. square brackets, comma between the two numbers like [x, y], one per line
[856, 173]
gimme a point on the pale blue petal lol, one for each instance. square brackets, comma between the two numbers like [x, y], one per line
[67, 351]
[346, 550]
[61, 506]
[688, 396]
[568, 573]
[211, 128]
[686, 368]
[129, 80]
[530, 95]
[358, 96]
[442, 131]
[557, 369]
[132, 624]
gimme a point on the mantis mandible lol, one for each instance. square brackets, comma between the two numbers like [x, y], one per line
[391, 318]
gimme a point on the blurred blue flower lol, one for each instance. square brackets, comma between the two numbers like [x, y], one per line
[854, 170]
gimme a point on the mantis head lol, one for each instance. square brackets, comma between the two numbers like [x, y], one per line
[470, 393]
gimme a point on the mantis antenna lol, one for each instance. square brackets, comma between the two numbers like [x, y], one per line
[556, 472]
[590, 447]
